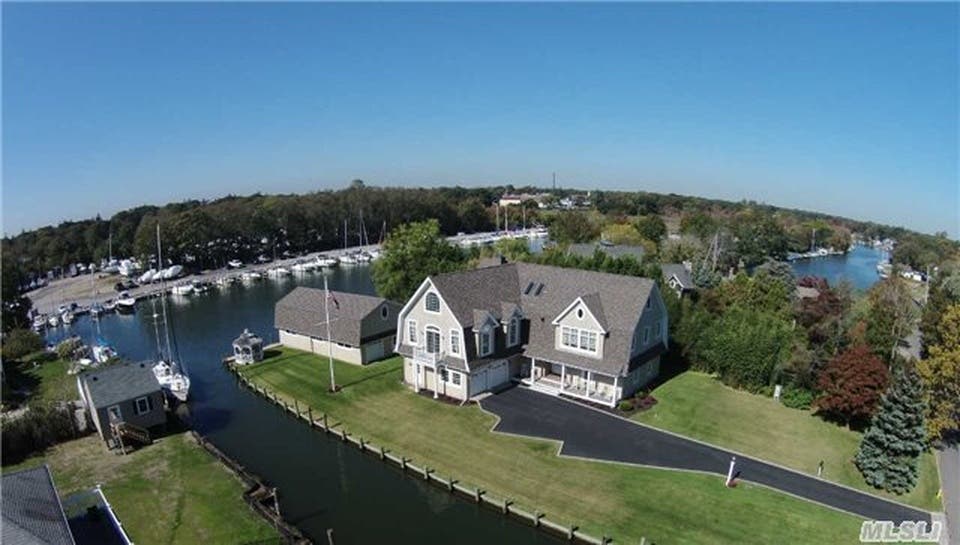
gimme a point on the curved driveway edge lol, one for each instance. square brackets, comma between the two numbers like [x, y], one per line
[590, 433]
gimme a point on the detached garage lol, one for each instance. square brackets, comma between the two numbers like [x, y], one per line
[362, 327]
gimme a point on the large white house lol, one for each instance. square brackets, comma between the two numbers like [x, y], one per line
[589, 335]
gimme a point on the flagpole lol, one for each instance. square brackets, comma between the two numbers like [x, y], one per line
[326, 310]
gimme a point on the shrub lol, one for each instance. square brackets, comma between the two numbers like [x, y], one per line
[796, 398]
[20, 342]
[67, 349]
[38, 428]
[626, 405]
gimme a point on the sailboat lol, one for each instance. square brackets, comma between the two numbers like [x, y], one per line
[173, 380]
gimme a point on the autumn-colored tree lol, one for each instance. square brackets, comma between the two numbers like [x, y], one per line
[891, 315]
[940, 373]
[623, 233]
[851, 385]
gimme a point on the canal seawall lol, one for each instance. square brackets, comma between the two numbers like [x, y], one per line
[502, 505]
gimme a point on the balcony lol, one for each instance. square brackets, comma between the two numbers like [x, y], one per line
[423, 357]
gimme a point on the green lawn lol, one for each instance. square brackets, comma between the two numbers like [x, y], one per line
[169, 492]
[602, 498]
[46, 379]
[699, 406]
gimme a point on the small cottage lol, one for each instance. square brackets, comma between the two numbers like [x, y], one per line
[123, 399]
[247, 348]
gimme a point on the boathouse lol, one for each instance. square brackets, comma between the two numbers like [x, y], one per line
[123, 399]
[362, 327]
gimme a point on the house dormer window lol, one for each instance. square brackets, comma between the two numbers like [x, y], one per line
[454, 342]
[432, 302]
[485, 343]
[513, 332]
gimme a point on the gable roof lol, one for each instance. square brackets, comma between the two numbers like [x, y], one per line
[616, 301]
[121, 382]
[32, 512]
[680, 272]
[302, 311]
[587, 249]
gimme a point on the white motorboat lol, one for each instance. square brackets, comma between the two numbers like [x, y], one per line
[172, 380]
[109, 305]
[348, 259]
[39, 322]
[182, 289]
[147, 277]
[96, 310]
[277, 272]
[234, 263]
[102, 353]
[200, 287]
[375, 254]
[301, 267]
[364, 257]
[67, 317]
[251, 276]
[171, 272]
[225, 281]
[128, 267]
[125, 303]
[326, 261]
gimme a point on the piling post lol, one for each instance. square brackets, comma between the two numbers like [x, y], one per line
[571, 531]
[426, 473]
[537, 515]
[403, 462]
[326, 427]
[363, 445]
[329, 536]
[451, 483]
[506, 506]
[310, 415]
[383, 453]
[478, 494]
[296, 406]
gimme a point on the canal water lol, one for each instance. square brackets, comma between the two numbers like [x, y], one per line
[858, 267]
[323, 482]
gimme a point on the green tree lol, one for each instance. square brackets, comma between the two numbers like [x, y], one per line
[698, 224]
[652, 227]
[940, 372]
[18, 343]
[888, 453]
[514, 249]
[944, 291]
[575, 226]
[759, 237]
[15, 305]
[411, 253]
[890, 316]
[744, 347]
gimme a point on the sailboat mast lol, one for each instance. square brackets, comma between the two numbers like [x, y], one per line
[163, 295]
[344, 234]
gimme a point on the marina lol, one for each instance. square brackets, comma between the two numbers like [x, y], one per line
[322, 482]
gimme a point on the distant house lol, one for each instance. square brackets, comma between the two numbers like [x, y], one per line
[32, 512]
[584, 334]
[804, 292]
[362, 327]
[677, 276]
[513, 199]
[587, 249]
[122, 397]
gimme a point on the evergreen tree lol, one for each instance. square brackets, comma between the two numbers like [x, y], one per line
[896, 437]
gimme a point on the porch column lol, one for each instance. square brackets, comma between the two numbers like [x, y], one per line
[613, 396]
[586, 388]
[416, 377]
[436, 381]
[533, 370]
[563, 376]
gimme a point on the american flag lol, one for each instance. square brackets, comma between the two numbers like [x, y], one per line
[332, 299]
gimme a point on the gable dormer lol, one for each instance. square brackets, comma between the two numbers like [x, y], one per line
[580, 328]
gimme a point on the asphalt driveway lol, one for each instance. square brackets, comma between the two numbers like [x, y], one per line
[590, 433]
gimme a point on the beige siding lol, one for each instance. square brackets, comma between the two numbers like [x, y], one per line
[294, 340]
[587, 322]
[349, 354]
[444, 321]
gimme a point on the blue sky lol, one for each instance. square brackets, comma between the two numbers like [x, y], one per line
[841, 108]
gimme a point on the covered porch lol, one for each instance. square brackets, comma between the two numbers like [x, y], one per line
[559, 378]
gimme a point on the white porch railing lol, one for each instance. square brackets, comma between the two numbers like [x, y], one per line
[422, 356]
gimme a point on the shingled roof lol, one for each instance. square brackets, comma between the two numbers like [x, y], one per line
[677, 270]
[542, 293]
[302, 311]
[121, 382]
[32, 512]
